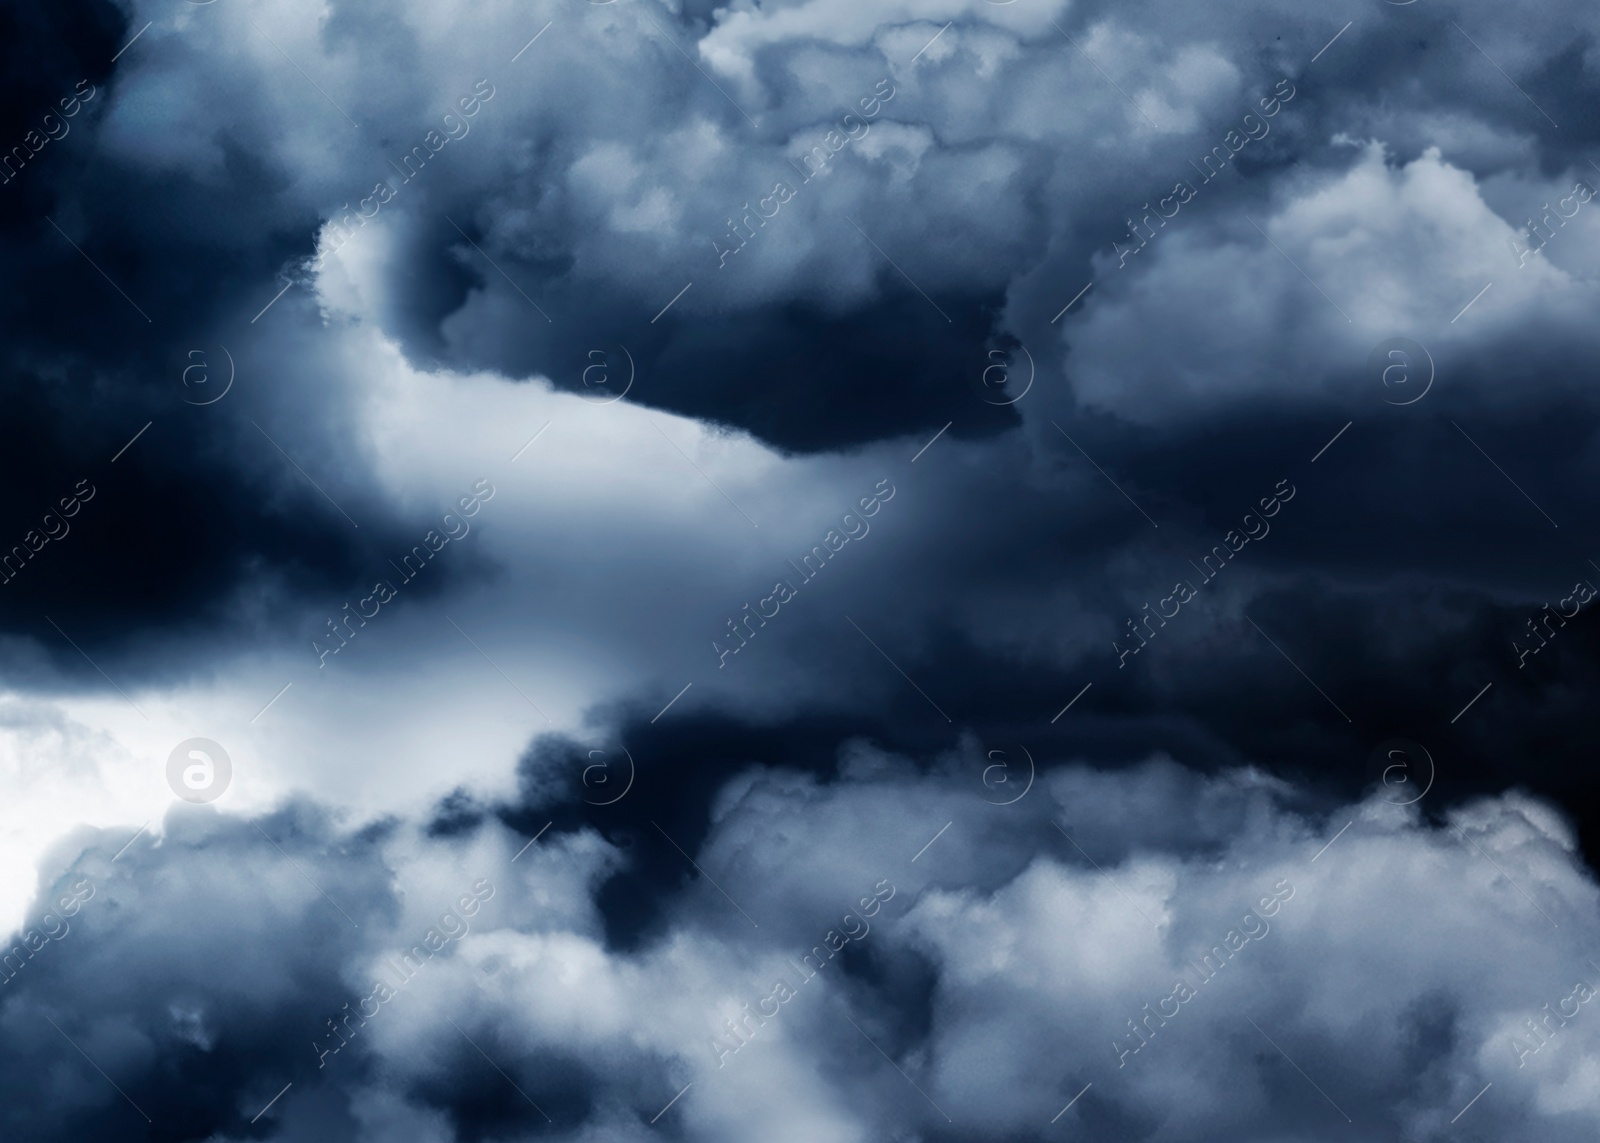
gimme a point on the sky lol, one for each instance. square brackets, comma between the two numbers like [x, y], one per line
[943, 570]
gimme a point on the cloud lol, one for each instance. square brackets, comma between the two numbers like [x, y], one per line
[914, 194]
[1401, 247]
[999, 969]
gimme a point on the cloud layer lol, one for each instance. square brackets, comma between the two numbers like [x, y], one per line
[749, 444]
[1088, 939]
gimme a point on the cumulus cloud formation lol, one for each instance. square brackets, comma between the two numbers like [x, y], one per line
[842, 957]
[1403, 246]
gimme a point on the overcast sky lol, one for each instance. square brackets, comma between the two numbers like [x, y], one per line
[525, 523]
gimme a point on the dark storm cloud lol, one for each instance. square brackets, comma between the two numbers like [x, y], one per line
[198, 983]
[795, 375]
[1371, 575]
[1003, 966]
[958, 181]
[812, 340]
[606, 228]
[1388, 595]
[122, 276]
